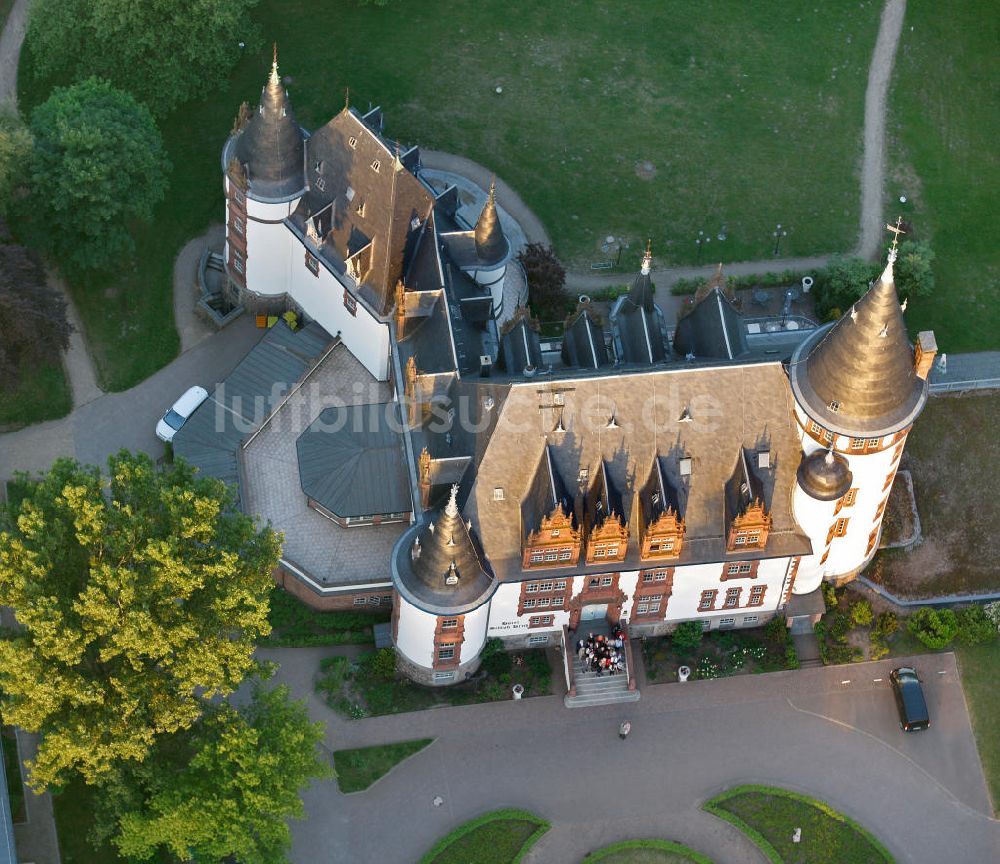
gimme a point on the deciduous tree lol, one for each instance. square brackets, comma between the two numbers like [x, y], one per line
[139, 596]
[546, 280]
[913, 271]
[230, 789]
[15, 155]
[164, 52]
[98, 164]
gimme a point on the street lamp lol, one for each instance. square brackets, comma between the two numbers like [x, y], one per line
[778, 233]
[698, 241]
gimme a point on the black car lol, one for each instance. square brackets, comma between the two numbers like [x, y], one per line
[913, 715]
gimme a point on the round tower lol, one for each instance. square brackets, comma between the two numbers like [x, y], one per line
[263, 167]
[858, 386]
[492, 252]
[443, 587]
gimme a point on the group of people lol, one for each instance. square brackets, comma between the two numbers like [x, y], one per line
[603, 654]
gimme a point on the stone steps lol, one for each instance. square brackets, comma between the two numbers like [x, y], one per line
[593, 689]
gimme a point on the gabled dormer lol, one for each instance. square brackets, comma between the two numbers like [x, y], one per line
[548, 513]
[607, 525]
[661, 523]
[748, 520]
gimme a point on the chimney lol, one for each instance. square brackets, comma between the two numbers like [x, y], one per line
[925, 353]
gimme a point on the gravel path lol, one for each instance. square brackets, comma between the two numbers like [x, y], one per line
[191, 327]
[10, 50]
[876, 96]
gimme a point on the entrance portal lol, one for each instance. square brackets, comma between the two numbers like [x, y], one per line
[594, 612]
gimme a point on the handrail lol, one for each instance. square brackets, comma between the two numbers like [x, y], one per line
[629, 665]
[567, 665]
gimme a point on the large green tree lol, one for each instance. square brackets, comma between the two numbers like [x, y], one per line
[15, 155]
[164, 52]
[98, 164]
[139, 596]
[228, 789]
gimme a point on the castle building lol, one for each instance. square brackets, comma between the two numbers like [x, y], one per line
[626, 472]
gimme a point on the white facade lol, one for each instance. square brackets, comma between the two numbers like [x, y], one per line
[415, 633]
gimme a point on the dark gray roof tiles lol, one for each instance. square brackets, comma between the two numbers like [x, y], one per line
[520, 345]
[661, 492]
[271, 144]
[351, 461]
[712, 329]
[743, 488]
[583, 341]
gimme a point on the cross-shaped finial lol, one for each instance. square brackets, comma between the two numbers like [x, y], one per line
[896, 231]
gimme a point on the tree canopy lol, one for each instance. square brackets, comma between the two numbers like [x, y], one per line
[34, 327]
[229, 790]
[15, 155]
[98, 164]
[913, 272]
[164, 52]
[139, 596]
[546, 280]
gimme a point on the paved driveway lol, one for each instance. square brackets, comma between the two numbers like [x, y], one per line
[102, 427]
[923, 794]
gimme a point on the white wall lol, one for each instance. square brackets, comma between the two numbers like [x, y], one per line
[475, 632]
[415, 634]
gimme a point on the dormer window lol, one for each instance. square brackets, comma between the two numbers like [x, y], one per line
[361, 209]
[376, 165]
[321, 184]
[318, 166]
[353, 142]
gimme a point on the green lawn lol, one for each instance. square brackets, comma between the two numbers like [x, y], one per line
[294, 623]
[42, 394]
[646, 852]
[74, 813]
[500, 837]
[768, 816]
[943, 131]
[978, 665]
[358, 769]
[952, 453]
[747, 115]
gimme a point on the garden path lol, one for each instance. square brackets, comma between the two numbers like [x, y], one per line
[10, 50]
[191, 327]
[77, 360]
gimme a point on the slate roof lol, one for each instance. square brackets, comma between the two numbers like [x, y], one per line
[639, 333]
[605, 499]
[730, 407]
[491, 246]
[351, 461]
[211, 438]
[439, 566]
[271, 144]
[387, 204]
[547, 491]
[660, 492]
[583, 341]
[743, 488]
[857, 377]
[713, 328]
[520, 344]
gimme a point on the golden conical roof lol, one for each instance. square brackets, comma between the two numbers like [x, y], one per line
[491, 245]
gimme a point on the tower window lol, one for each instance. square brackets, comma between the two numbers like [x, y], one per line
[321, 184]
[353, 142]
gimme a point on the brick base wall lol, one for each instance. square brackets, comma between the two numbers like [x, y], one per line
[425, 676]
[327, 603]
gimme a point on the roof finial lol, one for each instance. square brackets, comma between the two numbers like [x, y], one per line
[647, 259]
[274, 67]
[347, 98]
[451, 509]
[493, 189]
[887, 276]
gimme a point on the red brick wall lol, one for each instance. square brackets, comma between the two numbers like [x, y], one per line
[330, 602]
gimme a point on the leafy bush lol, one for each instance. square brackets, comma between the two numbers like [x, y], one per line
[861, 612]
[380, 664]
[974, 627]
[829, 595]
[546, 280]
[992, 611]
[935, 628]
[333, 674]
[840, 626]
[496, 662]
[878, 650]
[791, 657]
[913, 272]
[885, 624]
[776, 631]
[687, 636]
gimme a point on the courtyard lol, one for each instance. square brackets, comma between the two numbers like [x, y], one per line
[831, 733]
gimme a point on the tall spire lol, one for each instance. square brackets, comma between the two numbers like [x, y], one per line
[641, 294]
[274, 80]
[647, 259]
[491, 245]
[448, 556]
[858, 377]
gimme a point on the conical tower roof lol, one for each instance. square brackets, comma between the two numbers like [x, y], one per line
[444, 557]
[641, 293]
[491, 245]
[858, 377]
[271, 144]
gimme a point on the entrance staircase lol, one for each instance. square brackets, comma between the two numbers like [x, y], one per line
[593, 689]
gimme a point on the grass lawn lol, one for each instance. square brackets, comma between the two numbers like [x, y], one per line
[358, 769]
[295, 624]
[682, 117]
[43, 394]
[646, 852]
[951, 453]
[500, 837]
[74, 813]
[943, 130]
[768, 816]
[978, 665]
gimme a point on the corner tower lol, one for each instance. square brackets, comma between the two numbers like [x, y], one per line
[263, 167]
[443, 587]
[858, 386]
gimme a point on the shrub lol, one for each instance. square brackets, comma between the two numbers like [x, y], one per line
[687, 636]
[913, 272]
[829, 595]
[496, 661]
[840, 626]
[878, 650]
[974, 627]
[333, 673]
[776, 631]
[935, 628]
[791, 658]
[885, 625]
[861, 612]
[380, 664]
[546, 280]
[992, 611]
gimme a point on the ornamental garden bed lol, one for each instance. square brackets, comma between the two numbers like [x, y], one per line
[500, 837]
[294, 624]
[357, 769]
[646, 852]
[719, 653]
[370, 686]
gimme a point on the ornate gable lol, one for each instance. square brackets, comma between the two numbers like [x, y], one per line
[555, 541]
[661, 526]
[748, 520]
[607, 528]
